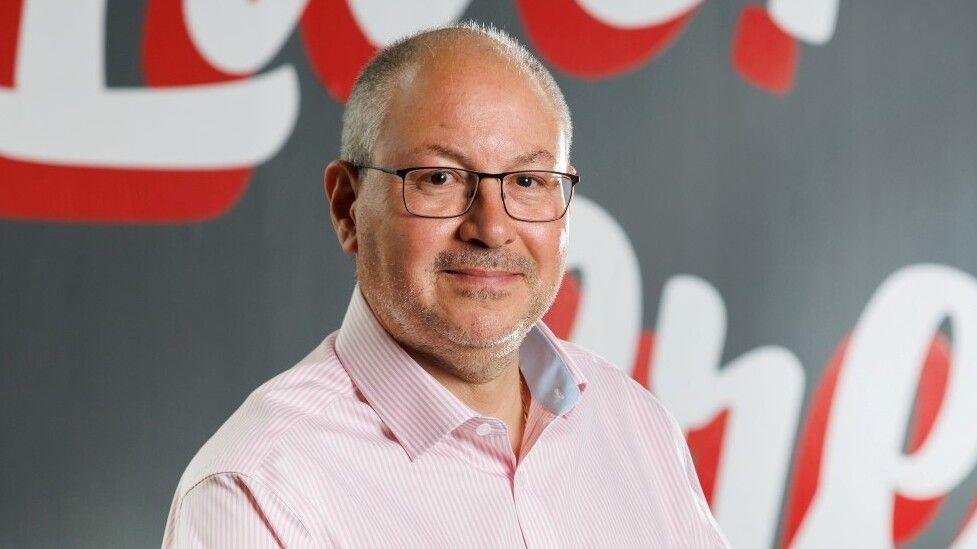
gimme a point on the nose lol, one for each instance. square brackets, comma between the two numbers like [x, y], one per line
[486, 223]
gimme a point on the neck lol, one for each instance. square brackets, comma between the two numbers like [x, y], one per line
[486, 383]
[487, 380]
[499, 396]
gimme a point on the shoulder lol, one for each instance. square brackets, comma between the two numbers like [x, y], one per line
[615, 393]
[305, 393]
[220, 511]
[653, 437]
[602, 375]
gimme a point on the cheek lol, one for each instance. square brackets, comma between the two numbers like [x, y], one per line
[418, 242]
[564, 244]
[403, 246]
[548, 245]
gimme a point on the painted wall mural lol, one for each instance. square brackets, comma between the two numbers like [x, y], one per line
[863, 447]
[181, 148]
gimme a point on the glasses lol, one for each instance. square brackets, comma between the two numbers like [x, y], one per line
[441, 192]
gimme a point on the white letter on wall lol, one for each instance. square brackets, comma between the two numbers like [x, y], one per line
[762, 390]
[608, 320]
[863, 464]
[61, 111]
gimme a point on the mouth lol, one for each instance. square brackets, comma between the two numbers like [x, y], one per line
[483, 277]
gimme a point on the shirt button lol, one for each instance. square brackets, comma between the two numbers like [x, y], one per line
[483, 429]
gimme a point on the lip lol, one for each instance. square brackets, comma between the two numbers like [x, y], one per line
[482, 277]
[481, 273]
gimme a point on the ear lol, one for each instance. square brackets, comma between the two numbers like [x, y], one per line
[571, 169]
[341, 182]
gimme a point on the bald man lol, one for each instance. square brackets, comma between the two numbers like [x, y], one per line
[443, 412]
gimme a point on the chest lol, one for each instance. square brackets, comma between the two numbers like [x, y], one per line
[558, 497]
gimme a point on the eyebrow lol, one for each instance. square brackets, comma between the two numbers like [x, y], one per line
[464, 160]
[529, 158]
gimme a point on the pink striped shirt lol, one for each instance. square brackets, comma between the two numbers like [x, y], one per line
[358, 446]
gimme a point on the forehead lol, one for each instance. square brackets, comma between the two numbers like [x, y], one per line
[473, 102]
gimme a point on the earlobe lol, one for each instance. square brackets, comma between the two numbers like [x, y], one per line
[347, 240]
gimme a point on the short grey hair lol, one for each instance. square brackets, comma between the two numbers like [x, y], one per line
[369, 100]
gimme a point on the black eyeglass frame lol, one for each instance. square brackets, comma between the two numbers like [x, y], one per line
[402, 174]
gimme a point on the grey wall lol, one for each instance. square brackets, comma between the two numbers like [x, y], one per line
[123, 347]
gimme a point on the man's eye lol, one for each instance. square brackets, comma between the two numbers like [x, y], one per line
[439, 178]
[526, 181]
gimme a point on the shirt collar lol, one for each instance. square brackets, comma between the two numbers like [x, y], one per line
[417, 409]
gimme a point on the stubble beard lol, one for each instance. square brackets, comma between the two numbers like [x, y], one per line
[458, 350]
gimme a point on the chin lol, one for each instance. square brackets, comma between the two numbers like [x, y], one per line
[480, 318]
[486, 330]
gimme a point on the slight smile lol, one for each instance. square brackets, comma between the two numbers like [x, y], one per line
[483, 277]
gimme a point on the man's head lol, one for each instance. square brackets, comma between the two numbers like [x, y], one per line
[463, 97]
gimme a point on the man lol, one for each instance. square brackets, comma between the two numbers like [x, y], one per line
[443, 413]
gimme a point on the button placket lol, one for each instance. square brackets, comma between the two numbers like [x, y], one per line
[520, 478]
[534, 519]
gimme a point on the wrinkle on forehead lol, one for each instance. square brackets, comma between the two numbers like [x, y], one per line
[444, 57]
[450, 152]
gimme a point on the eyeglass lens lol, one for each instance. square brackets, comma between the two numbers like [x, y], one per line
[447, 192]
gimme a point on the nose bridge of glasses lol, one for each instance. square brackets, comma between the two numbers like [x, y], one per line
[477, 183]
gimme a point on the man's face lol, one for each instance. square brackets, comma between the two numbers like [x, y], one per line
[478, 281]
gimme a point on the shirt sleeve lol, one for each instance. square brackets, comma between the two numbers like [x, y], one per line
[710, 533]
[697, 521]
[233, 510]
[706, 531]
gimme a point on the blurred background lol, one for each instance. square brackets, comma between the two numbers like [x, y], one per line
[774, 232]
